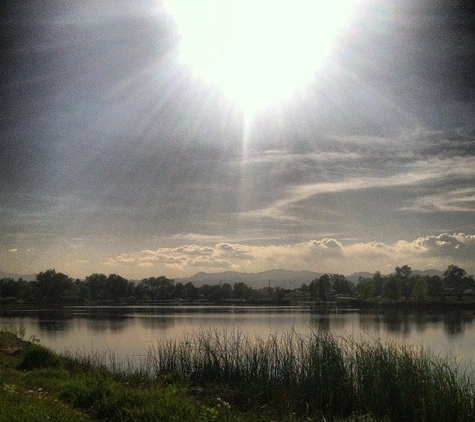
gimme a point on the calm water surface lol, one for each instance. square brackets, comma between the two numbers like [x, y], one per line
[130, 331]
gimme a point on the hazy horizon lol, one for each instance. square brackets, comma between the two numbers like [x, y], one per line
[122, 155]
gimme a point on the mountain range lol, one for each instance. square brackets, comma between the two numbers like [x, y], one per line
[276, 278]
[27, 277]
[272, 278]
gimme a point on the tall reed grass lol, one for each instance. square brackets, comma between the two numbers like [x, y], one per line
[319, 375]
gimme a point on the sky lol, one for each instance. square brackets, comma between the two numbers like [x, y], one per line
[121, 155]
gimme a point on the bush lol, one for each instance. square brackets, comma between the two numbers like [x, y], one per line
[39, 357]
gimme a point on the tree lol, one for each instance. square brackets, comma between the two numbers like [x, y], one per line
[403, 272]
[180, 292]
[404, 277]
[378, 282]
[191, 292]
[117, 287]
[435, 286]
[9, 287]
[158, 288]
[323, 287]
[226, 291]
[456, 278]
[421, 288]
[365, 288]
[313, 289]
[242, 291]
[52, 286]
[97, 286]
[391, 288]
[341, 285]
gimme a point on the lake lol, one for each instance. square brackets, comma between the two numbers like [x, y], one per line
[129, 331]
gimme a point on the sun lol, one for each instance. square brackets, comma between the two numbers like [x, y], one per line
[257, 52]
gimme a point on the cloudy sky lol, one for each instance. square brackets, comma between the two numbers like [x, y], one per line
[118, 155]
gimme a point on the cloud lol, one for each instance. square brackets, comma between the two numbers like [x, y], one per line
[458, 200]
[234, 251]
[457, 245]
[196, 237]
[321, 255]
[13, 250]
[418, 173]
[182, 259]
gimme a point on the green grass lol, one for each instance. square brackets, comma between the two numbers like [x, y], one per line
[227, 376]
[38, 385]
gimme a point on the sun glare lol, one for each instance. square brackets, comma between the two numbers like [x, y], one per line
[258, 52]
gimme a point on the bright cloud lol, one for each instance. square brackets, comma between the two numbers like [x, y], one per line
[324, 255]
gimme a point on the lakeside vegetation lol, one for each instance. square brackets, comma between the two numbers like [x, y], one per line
[402, 287]
[226, 376]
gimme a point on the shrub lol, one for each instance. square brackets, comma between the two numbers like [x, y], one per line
[39, 357]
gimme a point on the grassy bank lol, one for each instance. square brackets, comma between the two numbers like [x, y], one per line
[221, 376]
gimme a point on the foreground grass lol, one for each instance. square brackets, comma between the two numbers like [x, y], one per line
[221, 376]
[38, 385]
[319, 375]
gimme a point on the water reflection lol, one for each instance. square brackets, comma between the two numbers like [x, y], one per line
[321, 323]
[53, 321]
[156, 323]
[421, 321]
[457, 322]
[131, 327]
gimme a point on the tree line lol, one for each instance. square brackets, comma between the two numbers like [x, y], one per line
[404, 285]
[51, 287]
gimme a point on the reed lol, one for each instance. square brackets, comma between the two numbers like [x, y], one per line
[228, 376]
[319, 375]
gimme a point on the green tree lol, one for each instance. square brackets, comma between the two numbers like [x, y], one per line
[421, 288]
[456, 278]
[158, 288]
[341, 285]
[364, 288]
[226, 291]
[241, 291]
[323, 287]
[52, 286]
[435, 286]
[191, 292]
[391, 288]
[97, 286]
[403, 272]
[405, 280]
[378, 281]
[117, 287]
[180, 292]
[9, 287]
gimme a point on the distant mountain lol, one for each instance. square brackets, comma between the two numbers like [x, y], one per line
[276, 278]
[430, 272]
[355, 276]
[273, 278]
[27, 277]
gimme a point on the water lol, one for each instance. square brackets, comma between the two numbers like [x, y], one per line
[129, 331]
